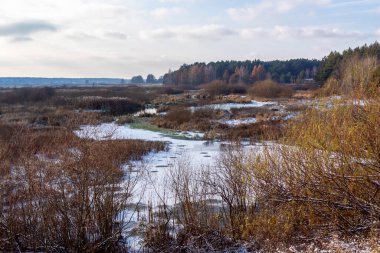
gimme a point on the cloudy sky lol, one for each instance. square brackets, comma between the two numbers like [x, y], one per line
[121, 38]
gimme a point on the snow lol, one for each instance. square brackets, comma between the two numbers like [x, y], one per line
[197, 154]
[115, 132]
[229, 106]
[155, 168]
[238, 122]
[157, 165]
[359, 102]
[150, 111]
[289, 116]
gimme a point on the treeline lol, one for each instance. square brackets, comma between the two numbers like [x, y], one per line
[150, 79]
[247, 72]
[354, 71]
[332, 65]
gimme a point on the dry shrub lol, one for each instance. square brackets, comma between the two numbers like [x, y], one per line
[65, 118]
[247, 112]
[202, 119]
[124, 120]
[60, 193]
[274, 225]
[113, 106]
[175, 117]
[27, 95]
[199, 225]
[260, 131]
[173, 90]
[324, 179]
[356, 76]
[137, 94]
[296, 107]
[375, 78]
[183, 118]
[270, 89]
[217, 88]
[329, 181]
[359, 75]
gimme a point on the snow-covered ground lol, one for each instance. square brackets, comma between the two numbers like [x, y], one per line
[196, 154]
[157, 165]
[229, 106]
[149, 111]
[238, 122]
[155, 168]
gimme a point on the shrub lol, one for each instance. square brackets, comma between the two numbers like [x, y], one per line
[260, 131]
[375, 79]
[184, 119]
[217, 88]
[173, 90]
[323, 180]
[270, 89]
[27, 95]
[327, 178]
[175, 117]
[358, 75]
[113, 106]
[60, 193]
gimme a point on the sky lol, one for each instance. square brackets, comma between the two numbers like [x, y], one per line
[123, 38]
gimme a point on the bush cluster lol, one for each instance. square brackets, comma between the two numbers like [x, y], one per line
[270, 89]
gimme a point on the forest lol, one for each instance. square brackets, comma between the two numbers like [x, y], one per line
[247, 72]
[331, 64]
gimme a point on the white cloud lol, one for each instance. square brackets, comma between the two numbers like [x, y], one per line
[176, 1]
[269, 6]
[313, 32]
[278, 32]
[25, 28]
[286, 32]
[93, 37]
[253, 32]
[116, 35]
[206, 32]
[165, 12]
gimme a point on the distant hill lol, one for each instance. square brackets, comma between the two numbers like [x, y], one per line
[39, 81]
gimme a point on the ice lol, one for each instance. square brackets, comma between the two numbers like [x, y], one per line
[150, 111]
[229, 106]
[197, 154]
[154, 170]
[238, 122]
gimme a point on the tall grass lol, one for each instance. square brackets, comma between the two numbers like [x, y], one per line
[323, 179]
[60, 193]
[358, 76]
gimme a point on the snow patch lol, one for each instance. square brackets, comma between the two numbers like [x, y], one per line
[238, 122]
[229, 106]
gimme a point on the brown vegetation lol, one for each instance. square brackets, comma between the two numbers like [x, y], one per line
[27, 95]
[60, 193]
[183, 119]
[359, 75]
[270, 89]
[260, 131]
[217, 88]
[323, 180]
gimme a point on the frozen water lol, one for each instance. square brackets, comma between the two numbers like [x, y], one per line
[229, 106]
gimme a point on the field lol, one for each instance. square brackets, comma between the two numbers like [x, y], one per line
[164, 168]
